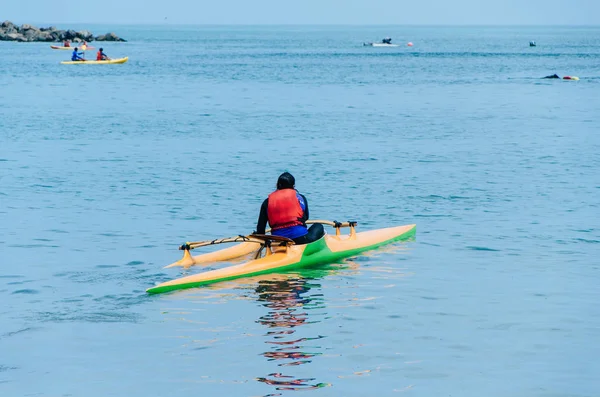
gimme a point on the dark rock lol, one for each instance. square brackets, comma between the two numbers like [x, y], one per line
[31, 34]
[12, 37]
[61, 34]
[70, 34]
[85, 35]
[56, 35]
[109, 37]
[44, 36]
[10, 32]
[25, 27]
[8, 27]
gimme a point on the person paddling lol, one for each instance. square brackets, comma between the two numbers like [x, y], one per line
[67, 43]
[75, 56]
[101, 56]
[286, 210]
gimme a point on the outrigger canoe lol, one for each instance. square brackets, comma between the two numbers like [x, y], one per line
[280, 254]
[107, 62]
[58, 47]
[380, 45]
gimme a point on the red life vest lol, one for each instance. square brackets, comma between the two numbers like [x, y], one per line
[283, 209]
[98, 56]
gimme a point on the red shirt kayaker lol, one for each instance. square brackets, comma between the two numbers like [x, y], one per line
[286, 210]
[67, 43]
[101, 56]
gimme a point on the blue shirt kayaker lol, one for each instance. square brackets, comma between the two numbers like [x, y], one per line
[286, 210]
[75, 56]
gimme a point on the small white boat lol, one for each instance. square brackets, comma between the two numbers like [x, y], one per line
[380, 45]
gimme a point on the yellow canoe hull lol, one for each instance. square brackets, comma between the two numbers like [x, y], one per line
[108, 62]
[329, 249]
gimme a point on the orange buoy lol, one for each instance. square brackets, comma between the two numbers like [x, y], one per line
[410, 44]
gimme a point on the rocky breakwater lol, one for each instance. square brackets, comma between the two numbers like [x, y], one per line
[24, 33]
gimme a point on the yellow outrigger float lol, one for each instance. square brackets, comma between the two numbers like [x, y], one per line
[277, 254]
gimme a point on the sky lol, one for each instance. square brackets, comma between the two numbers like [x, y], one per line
[281, 12]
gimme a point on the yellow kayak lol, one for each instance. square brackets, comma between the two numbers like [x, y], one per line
[108, 62]
[280, 254]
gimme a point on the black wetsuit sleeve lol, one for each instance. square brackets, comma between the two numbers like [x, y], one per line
[305, 216]
[262, 218]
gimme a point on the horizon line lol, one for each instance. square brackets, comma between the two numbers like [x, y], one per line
[165, 23]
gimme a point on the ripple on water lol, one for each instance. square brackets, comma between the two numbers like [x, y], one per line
[20, 331]
[26, 291]
[475, 248]
[81, 315]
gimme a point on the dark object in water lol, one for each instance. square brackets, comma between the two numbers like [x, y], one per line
[553, 76]
[532, 44]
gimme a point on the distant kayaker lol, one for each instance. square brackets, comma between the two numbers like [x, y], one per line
[387, 40]
[75, 56]
[67, 43]
[101, 56]
[552, 76]
[286, 210]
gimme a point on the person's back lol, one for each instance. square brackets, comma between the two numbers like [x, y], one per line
[101, 56]
[75, 55]
[286, 211]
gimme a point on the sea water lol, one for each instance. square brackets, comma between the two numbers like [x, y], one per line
[105, 170]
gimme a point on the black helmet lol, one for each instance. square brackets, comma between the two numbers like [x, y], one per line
[286, 181]
[101, 49]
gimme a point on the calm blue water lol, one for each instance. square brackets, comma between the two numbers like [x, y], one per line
[105, 170]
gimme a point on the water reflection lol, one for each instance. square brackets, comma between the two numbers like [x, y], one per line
[292, 302]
